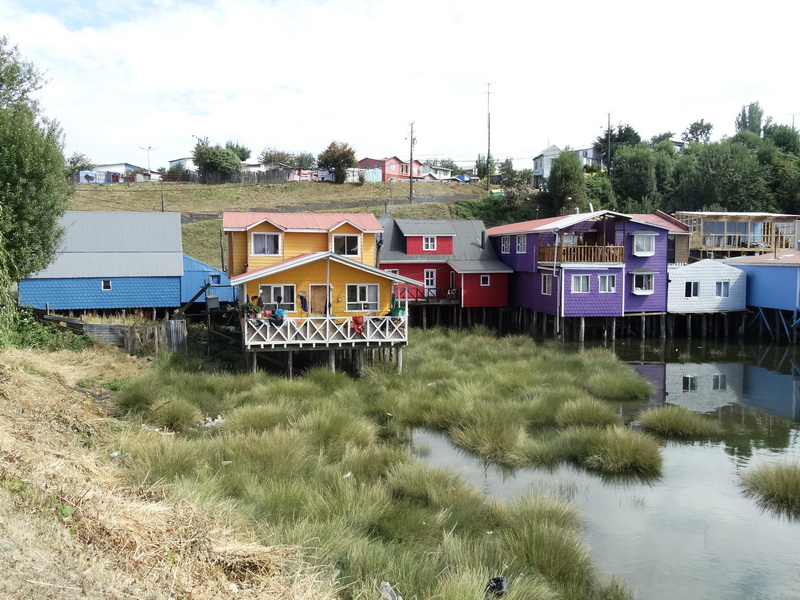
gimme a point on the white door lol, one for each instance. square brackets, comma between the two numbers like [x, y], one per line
[430, 283]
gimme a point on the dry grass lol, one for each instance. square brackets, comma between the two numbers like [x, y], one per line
[70, 527]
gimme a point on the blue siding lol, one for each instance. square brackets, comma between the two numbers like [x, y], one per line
[771, 286]
[87, 294]
[197, 273]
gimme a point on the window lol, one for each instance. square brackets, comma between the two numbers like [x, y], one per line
[346, 245]
[361, 297]
[570, 239]
[643, 283]
[105, 284]
[485, 280]
[393, 271]
[720, 382]
[547, 284]
[607, 284]
[429, 242]
[723, 289]
[644, 245]
[214, 279]
[266, 244]
[278, 296]
[580, 284]
[505, 244]
[692, 289]
[690, 383]
[522, 243]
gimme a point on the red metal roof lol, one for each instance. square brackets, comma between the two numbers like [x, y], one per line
[781, 257]
[662, 219]
[300, 221]
[521, 227]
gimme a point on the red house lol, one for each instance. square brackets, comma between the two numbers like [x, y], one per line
[392, 168]
[453, 258]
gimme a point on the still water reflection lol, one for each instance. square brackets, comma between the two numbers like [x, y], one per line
[690, 534]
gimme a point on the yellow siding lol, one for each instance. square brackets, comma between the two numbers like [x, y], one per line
[237, 252]
[340, 276]
[296, 244]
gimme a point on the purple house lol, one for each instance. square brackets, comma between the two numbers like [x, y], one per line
[598, 264]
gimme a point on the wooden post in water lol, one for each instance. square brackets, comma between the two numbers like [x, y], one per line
[332, 360]
[689, 326]
[662, 326]
[644, 323]
[582, 329]
[399, 360]
[290, 365]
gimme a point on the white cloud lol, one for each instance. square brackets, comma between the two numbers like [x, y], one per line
[297, 75]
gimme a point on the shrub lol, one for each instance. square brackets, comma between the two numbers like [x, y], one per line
[175, 414]
[586, 412]
[677, 421]
[777, 487]
[624, 451]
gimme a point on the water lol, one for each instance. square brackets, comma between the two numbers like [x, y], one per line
[692, 533]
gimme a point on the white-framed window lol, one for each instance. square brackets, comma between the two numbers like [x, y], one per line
[485, 280]
[278, 295]
[570, 239]
[723, 289]
[644, 244]
[692, 289]
[265, 244]
[580, 284]
[105, 284]
[346, 245]
[393, 271]
[690, 383]
[607, 284]
[522, 243]
[214, 279]
[643, 283]
[505, 244]
[719, 382]
[362, 296]
[547, 284]
[429, 242]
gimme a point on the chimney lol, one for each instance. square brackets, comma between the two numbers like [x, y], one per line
[483, 240]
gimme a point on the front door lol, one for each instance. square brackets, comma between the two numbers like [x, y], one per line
[430, 283]
[320, 299]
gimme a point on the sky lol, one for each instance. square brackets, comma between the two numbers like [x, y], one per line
[507, 77]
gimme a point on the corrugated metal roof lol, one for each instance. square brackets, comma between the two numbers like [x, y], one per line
[663, 220]
[558, 223]
[735, 215]
[424, 227]
[117, 244]
[782, 257]
[300, 221]
[479, 266]
[467, 238]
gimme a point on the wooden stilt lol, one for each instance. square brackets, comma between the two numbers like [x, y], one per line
[582, 329]
[399, 360]
[290, 365]
[662, 326]
[613, 328]
[644, 324]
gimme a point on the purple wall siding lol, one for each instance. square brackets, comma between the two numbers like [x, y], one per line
[593, 304]
[657, 301]
[524, 262]
[526, 292]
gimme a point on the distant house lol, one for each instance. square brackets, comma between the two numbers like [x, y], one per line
[542, 163]
[186, 163]
[436, 173]
[197, 274]
[111, 260]
[393, 168]
[707, 286]
[452, 258]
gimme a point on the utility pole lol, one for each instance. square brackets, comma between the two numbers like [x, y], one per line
[411, 167]
[148, 157]
[609, 146]
[488, 139]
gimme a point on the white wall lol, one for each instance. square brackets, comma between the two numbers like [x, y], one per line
[707, 273]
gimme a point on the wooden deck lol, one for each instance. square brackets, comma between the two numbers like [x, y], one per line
[324, 333]
[582, 254]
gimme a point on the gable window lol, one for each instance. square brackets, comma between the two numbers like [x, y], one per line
[105, 284]
[692, 289]
[266, 244]
[277, 296]
[346, 245]
[214, 279]
[644, 244]
[723, 289]
[429, 243]
[580, 284]
[690, 383]
[361, 297]
[607, 284]
[522, 244]
[547, 284]
[719, 382]
[643, 283]
[505, 244]
[485, 280]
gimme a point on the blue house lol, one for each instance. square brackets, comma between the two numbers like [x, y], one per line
[196, 274]
[111, 260]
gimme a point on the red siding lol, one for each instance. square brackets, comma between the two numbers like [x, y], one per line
[444, 245]
[474, 294]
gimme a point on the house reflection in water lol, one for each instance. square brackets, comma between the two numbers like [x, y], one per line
[773, 392]
[704, 387]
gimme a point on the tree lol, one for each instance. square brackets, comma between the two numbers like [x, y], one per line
[699, 132]
[78, 162]
[337, 158]
[18, 78]
[661, 137]
[242, 152]
[271, 156]
[624, 135]
[784, 137]
[484, 167]
[566, 183]
[752, 118]
[634, 173]
[215, 159]
[304, 160]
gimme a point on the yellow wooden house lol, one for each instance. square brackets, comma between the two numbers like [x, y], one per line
[314, 281]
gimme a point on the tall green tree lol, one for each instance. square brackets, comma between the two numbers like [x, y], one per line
[634, 174]
[699, 132]
[337, 158]
[33, 190]
[661, 137]
[78, 162]
[784, 137]
[485, 167]
[215, 159]
[566, 184]
[751, 118]
[623, 135]
[304, 160]
[241, 151]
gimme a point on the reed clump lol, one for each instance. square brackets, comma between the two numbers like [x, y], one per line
[776, 486]
[677, 421]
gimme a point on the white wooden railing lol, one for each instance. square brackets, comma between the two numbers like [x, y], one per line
[321, 332]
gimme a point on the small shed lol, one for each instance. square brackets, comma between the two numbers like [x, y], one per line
[196, 274]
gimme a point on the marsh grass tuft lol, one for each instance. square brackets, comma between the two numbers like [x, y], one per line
[621, 450]
[678, 421]
[776, 486]
[586, 412]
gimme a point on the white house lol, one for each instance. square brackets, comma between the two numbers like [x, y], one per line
[187, 163]
[707, 286]
[704, 387]
[437, 173]
[542, 164]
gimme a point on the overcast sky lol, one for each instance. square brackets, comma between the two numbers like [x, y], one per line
[297, 74]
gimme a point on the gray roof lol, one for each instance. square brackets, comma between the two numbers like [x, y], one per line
[468, 256]
[117, 244]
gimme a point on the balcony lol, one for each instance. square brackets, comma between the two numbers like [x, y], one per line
[325, 332]
[582, 254]
[428, 295]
